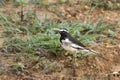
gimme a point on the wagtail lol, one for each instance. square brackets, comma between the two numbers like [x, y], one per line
[72, 45]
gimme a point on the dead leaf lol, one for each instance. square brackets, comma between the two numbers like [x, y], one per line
[86, 7]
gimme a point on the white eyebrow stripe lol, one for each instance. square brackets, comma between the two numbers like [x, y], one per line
[63, 30]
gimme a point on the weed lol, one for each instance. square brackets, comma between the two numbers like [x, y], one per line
[40, 62]
[1, 68]
[2, 2]
[26, 37]
[17, 67]
[106, 4]
[53, 66]
[85, 78]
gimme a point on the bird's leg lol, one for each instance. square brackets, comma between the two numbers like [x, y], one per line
[74, 63]
[74, 59]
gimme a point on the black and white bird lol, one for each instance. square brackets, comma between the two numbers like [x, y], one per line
[72, 45]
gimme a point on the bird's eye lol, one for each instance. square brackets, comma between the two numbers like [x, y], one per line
[63, 31]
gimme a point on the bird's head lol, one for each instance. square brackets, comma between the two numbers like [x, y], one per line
[62, 31]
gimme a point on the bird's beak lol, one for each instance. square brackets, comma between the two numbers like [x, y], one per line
[56, 30]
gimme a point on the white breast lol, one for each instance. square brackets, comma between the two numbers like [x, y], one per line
[67, 45]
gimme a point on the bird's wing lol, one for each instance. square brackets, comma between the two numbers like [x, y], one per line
[88, 50]
[75, 41]
[78, 45]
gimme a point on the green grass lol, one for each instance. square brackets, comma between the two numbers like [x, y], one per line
[26, 36]
[30, 33]
[106, 4]
[2, 2]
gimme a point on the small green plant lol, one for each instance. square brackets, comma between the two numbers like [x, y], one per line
[106, 4]
[40, 62]
[1, 69]
[111, 33]
[53, 66]
[2, 2]
[17, 67]
[21, 3]
[85, 78]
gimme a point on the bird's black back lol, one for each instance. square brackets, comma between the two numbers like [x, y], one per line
[73, 40]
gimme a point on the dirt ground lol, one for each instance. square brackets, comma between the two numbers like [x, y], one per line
[89, 68]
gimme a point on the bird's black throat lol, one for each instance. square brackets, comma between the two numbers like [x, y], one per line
[64, 35]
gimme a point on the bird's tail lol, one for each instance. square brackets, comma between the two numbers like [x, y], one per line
[97, 54]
